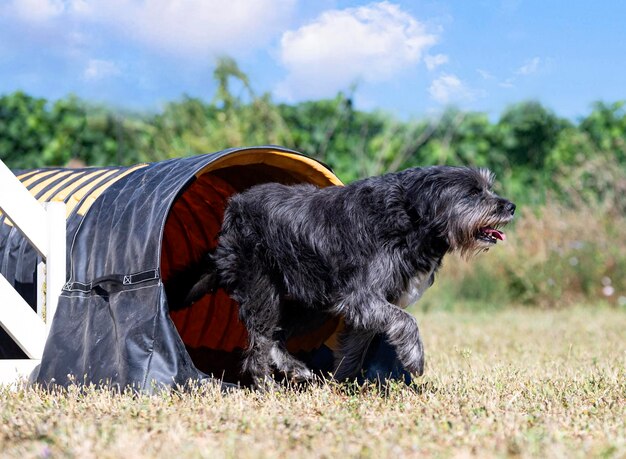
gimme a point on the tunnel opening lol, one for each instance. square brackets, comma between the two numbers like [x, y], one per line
[210, 328]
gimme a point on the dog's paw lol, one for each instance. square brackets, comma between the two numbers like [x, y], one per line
[301, 375]
[293, 369]
[404, 335]
[297, 372]
[412, 358]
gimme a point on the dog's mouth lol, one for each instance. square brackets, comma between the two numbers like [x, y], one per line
[490, 235]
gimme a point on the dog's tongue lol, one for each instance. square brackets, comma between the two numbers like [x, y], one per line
[494, 233]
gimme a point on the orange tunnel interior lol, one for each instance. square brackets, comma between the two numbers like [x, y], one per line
[210, 328]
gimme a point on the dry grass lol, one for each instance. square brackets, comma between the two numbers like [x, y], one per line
[514, 382]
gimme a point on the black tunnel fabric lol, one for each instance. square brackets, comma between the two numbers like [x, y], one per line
[138, 338]
[113, 324]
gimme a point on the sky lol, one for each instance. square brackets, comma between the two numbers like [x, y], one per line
[407, 58]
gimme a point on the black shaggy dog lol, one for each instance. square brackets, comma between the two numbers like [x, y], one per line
[292, 256]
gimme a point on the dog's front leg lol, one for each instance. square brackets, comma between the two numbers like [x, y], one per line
[375, 315]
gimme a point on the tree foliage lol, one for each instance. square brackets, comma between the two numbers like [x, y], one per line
[535, 152]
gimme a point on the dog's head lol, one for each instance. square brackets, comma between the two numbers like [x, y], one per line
[459, 204]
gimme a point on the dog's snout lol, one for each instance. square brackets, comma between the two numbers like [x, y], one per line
[510, 208]
[506, 207]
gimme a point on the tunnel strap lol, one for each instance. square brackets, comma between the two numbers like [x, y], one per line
[123, 279]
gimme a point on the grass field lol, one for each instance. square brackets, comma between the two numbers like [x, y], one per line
[514, 382]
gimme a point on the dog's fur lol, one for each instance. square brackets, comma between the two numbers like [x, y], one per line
[292, 256]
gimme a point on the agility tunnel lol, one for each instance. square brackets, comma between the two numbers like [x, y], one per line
[129, 230]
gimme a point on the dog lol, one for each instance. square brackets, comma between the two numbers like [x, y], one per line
[294, 255]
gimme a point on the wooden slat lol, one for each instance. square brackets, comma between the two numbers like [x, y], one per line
[55, 262]
[23, 210]
[21, 323]
[45, 229]
[11, 371]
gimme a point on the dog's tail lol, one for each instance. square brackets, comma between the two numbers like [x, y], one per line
[189, 285]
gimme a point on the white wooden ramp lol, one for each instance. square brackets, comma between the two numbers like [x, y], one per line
[43, 225]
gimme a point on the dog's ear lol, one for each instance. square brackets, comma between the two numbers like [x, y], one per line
[422, 199]
[487, 177]
[428, 200]
[412, 183]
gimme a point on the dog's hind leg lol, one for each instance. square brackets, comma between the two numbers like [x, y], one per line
[259, 310]
[257, 360]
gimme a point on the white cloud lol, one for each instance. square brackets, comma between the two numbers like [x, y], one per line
[485, 74]
[35, 10]
[449, 88]
[97, 69]
[180, 27]
[371, 43]
[196, 26]
[508, 83]
[432, 62]
[530, 66]
[43, 11]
